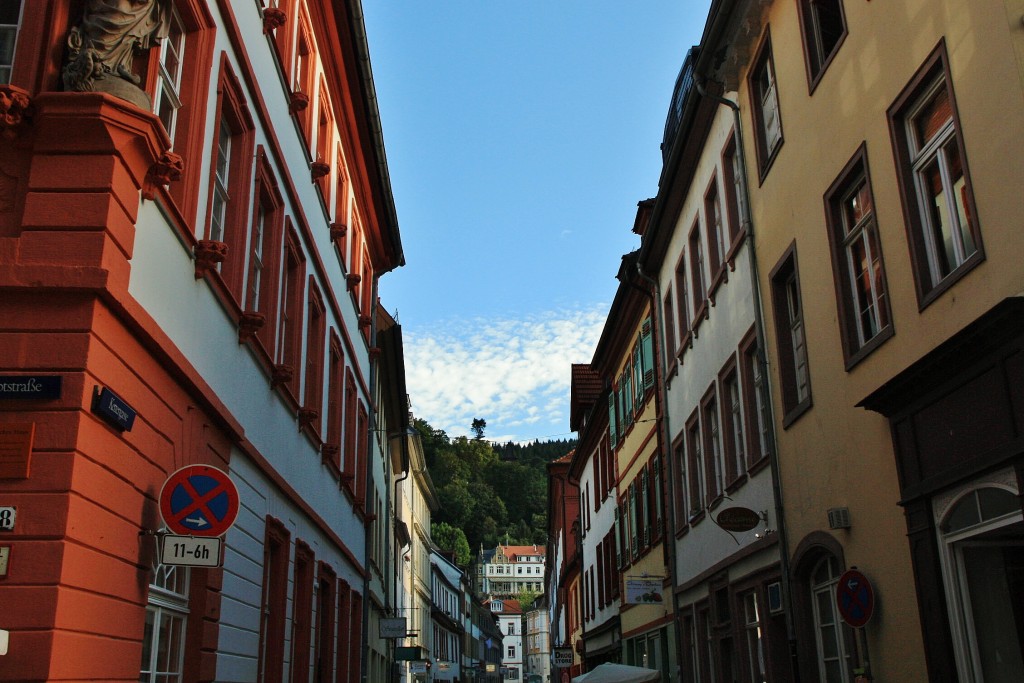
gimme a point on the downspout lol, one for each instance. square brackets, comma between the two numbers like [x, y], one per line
[389, 562]
[665, 435]
[762, 360]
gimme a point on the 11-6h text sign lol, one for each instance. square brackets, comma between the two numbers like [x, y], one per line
[199, 500]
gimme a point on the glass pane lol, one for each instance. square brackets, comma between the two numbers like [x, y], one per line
[828, 17]
[938, 216]
[8, 35]
[825, 611]
[964, 514]
[147, 644]
[992, 599]
[932, 117]
[833, 672]
[997, 502]
[954, 167]
[9, 11]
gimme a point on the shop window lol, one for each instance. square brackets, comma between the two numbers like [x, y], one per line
[163, 642]
[794, 373]
[982, 535]
[938, 203]
[861, 292]
[10, 21]
[823, 26]
[765, 106]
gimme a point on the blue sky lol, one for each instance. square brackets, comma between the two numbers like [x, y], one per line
[520, 135]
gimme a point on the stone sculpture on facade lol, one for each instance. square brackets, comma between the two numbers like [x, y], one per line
[102, 47]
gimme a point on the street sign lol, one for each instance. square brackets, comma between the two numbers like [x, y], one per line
[199, 500]
[563, 657]
[394, 628]
[855, 598]
[189, 551]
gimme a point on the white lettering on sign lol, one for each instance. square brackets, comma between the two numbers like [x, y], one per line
[113, 407]
[31, 386]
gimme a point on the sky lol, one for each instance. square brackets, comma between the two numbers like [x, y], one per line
[520, 136]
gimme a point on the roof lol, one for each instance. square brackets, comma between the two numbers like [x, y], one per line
[514, 551]
[508, 606]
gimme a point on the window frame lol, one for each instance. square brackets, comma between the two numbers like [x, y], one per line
[763, 59]
[711, 430]
[316, 332]
[718, 249]
[842, 238]
[290, 310]
[302, 612]
[698, 275]
[696, 473]
[756, 402]
[734, 437]
[810, 34]
[933, 75]
[735, 196]
[335, 402]
[276, 551]
[266, 198]
[683, 307]
[785, 281]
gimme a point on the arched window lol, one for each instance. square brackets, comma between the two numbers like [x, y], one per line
[828, 629]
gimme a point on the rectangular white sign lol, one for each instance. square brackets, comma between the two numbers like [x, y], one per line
[7, 515]
[563, 657]
[393, 628]
[190, 551]
[644, 591]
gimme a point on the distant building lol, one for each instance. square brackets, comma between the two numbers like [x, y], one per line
[509, 615]
[536, 643]
[508, 570]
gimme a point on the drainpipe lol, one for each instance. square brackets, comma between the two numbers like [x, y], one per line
[762, 360]
[665, 435]
[371, 438]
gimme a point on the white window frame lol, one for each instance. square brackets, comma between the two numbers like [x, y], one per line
[7, 69]
[221, 178]
[168, 82]
[166, 600]
[828, 588]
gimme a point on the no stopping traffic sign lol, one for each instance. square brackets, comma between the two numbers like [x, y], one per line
[199, 500]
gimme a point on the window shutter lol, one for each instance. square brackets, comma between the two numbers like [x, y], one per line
[645, 507]
[618, 540]
[613, 432]
[647, 344]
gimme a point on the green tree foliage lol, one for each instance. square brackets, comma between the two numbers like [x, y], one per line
[526, 598]
[490, 492]
[451, 539]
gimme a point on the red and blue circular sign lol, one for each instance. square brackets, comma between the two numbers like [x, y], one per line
[199, 500]
[855, 598]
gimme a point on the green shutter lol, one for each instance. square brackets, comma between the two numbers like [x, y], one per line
[647, 345]
[613, 433]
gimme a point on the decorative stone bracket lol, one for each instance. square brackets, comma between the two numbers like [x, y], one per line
[298, 102]
[330, 451]
[338, 231]
[364, 321]
[351, 280]
[282, 374]
[15, 110]
[318, 170]
[307, 416]
[208, 254]
[164, 170]
[249, 324]
[273, 19]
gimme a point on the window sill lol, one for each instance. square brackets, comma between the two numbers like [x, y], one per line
[736, 484]
[700, 316]
[796, 412]
[757, 465]
[863, 352]
[720, 276]
[927, 298]
[737, 242]
[684, 344]
[696, 517]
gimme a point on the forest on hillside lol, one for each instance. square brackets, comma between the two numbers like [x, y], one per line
[489, 492]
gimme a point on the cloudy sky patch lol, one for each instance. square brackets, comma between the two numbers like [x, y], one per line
[513, 373]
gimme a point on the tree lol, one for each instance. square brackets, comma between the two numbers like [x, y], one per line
[451, 539]
[526, 596]
[479, 424]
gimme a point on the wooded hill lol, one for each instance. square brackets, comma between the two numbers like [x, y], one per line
[489, 493]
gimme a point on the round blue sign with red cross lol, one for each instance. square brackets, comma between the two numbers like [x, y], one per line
[855, 598]
[199, 500]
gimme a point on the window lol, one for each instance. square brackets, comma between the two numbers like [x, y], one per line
[289, 333]
[10, 19]
[351, 401]
[275, 596]
[668, 309]
[230, 169]
[163, 644]
[324, 133]
[755, 636]
[302, 612]
[734, 440]
[833, 664]
[316, 330]
[935, 184]
[657, 512]
[167, 99]
[696, 469]
[765, 106]
[735, 195]
[718, 247]
[756, 417]
[681, 482]
[264, 248]
[712, 446]
[335, 402]
[303, 82]
[861, 292]
[341, 204]
[698, 281]
[356, 639]
[511, 648]
[682, 303]
[824, 27]
[789, 331]
[324, 661]
[362, 435]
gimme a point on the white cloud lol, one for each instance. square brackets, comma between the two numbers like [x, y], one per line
[514, 373]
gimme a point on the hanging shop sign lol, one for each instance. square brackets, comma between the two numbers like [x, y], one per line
[738, 519]
[563, 657]
[113, 409]
[644, 591]
[199, 500]
[38, 387]
[855, 598]
[395, 627]
[408, 654]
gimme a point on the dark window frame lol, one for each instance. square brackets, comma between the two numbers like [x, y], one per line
[763, 59]
[814, 42]
[784, 274]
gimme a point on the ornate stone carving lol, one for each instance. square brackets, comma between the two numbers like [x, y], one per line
[208, 254]
[364, 322]
[338, 231]
[298, 101]
[15, 109]
[249, 324]
[282, 374]
[102, 48]
[307, 416]
[330, 451]
[164, 170]
[273, 18]
[318, 170]
[351, 280]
